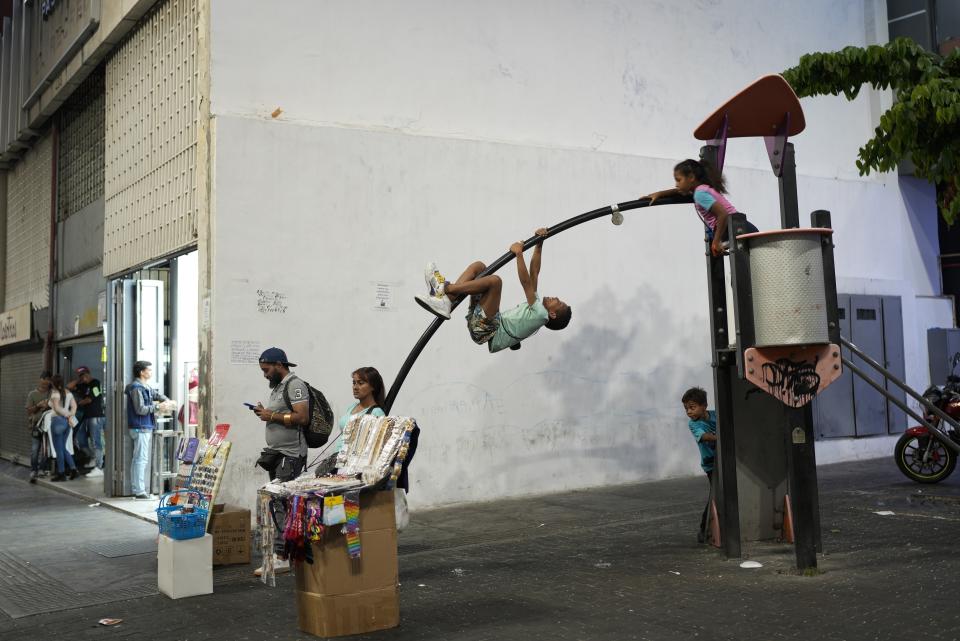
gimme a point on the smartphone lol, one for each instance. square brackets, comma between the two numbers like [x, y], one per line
[250, 406]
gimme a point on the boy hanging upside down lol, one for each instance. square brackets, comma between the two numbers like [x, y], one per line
[484, 319]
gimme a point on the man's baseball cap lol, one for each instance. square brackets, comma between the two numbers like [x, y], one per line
[83, 369]
[275, 355]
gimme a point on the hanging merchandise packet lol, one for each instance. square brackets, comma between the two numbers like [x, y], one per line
[333, 510]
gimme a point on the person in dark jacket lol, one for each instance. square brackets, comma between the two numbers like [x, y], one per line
[142, 405]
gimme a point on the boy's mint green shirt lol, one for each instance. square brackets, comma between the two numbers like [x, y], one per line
[519, 323]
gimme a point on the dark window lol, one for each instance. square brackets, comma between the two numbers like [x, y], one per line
[866, 314]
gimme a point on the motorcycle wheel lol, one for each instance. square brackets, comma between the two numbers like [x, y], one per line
[909, 456]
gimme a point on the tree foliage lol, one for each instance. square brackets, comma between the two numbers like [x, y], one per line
[923, 125]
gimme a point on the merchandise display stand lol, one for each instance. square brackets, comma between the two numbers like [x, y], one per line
[185, 559]
[339, 531]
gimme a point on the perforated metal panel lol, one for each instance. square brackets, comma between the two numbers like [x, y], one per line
[789, 304]
[19, 372]
[151, 139]
[28, 228]
[81, 146]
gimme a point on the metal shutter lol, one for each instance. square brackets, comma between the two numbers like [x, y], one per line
[19, 372]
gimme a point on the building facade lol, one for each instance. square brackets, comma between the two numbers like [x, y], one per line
[221, 179]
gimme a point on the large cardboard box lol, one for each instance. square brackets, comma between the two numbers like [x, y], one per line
[337, 595]
[343, 614]
[230, 528]
[334, 572]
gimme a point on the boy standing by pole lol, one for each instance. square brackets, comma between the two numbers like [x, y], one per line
[703, 426]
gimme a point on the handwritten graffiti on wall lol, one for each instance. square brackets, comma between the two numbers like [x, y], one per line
[790, 381]
[270, 302]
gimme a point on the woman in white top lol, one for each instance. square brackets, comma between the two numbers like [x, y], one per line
[61, 428]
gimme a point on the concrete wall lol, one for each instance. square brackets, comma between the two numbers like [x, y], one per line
[372, 139]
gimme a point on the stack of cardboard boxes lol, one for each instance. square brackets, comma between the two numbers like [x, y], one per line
[337, 595]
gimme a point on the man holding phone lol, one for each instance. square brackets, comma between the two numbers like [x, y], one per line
[287, 409]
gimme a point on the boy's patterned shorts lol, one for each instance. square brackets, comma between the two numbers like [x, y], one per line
[481, 328]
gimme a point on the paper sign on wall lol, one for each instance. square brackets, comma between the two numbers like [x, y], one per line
[244, 352]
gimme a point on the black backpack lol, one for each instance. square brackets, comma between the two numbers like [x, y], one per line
[317, 431]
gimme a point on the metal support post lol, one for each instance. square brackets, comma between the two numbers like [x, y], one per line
[802, 480]
[723, 362]
[787, 181]
[742, 289]
[821, 218]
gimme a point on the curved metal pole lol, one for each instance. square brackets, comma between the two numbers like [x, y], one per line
[506, 258]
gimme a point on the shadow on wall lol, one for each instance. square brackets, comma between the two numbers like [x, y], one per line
[606, 411]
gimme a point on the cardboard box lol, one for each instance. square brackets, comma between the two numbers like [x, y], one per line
[337, 595]
[377, 511]
[340, 615]
[230, 528]
[334, 572]
[184, 567]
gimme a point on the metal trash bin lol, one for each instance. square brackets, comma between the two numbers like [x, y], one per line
[787, 287]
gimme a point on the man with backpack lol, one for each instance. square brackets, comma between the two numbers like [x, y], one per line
[286, 412]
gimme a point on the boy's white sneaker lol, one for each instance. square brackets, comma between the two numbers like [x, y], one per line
[436, 305]
[434, 279]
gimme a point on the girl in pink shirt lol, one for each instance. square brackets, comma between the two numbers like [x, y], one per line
[706, 184]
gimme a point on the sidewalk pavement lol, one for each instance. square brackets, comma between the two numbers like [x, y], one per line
[92, 490]
[616, 563]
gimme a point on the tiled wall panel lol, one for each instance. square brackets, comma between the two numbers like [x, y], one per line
[151, 139]
[28, 227]
[81, 146]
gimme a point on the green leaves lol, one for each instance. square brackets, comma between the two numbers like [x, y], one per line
[923, 125]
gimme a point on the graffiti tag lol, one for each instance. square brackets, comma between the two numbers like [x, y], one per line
[790, 381]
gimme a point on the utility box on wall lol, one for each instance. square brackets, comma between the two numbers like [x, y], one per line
[943, 348]
[850, 407]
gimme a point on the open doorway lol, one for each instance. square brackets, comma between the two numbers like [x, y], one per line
[153, 317]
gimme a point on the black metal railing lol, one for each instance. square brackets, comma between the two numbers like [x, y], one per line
[933, 409]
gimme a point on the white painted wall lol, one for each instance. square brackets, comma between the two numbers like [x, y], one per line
[431, 130]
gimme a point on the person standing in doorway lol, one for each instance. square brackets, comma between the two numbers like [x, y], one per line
[142, 404]
[37, 403]
[89, 395]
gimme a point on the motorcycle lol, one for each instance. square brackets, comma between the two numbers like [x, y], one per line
[920, 453]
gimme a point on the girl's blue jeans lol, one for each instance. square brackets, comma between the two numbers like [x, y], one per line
[61, 431]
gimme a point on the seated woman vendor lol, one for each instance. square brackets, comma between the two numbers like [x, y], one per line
[369, 392]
